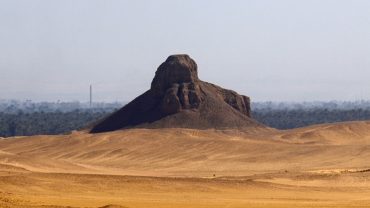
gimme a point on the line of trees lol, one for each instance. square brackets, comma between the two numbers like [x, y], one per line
[24, 119]
[26, 124]
[294, 118]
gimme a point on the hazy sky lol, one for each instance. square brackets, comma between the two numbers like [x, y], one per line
[276, 50]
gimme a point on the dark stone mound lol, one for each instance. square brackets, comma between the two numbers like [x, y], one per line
[179, 99]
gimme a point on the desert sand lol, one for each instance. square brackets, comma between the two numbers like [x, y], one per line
[317, 166]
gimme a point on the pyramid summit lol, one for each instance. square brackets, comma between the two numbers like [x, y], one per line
[176, 69]
[179, 99]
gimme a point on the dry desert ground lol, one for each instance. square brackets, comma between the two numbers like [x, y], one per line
[318, 166]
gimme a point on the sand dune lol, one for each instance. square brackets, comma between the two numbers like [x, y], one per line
[316, 166]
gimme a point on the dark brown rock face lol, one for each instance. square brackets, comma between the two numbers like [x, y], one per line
[176, 69]
[176, 80]
[179, 99]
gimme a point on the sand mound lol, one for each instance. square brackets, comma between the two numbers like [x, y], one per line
[112, 206]
[357, 132]
[191, 152]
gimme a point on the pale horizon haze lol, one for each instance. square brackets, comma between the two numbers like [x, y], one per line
[286, 50]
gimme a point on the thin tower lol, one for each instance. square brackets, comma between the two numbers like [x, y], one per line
[90, 96]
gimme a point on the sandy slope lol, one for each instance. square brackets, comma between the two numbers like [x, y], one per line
[318, 166]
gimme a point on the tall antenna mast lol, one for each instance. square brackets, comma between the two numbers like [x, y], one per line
[90, 96]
